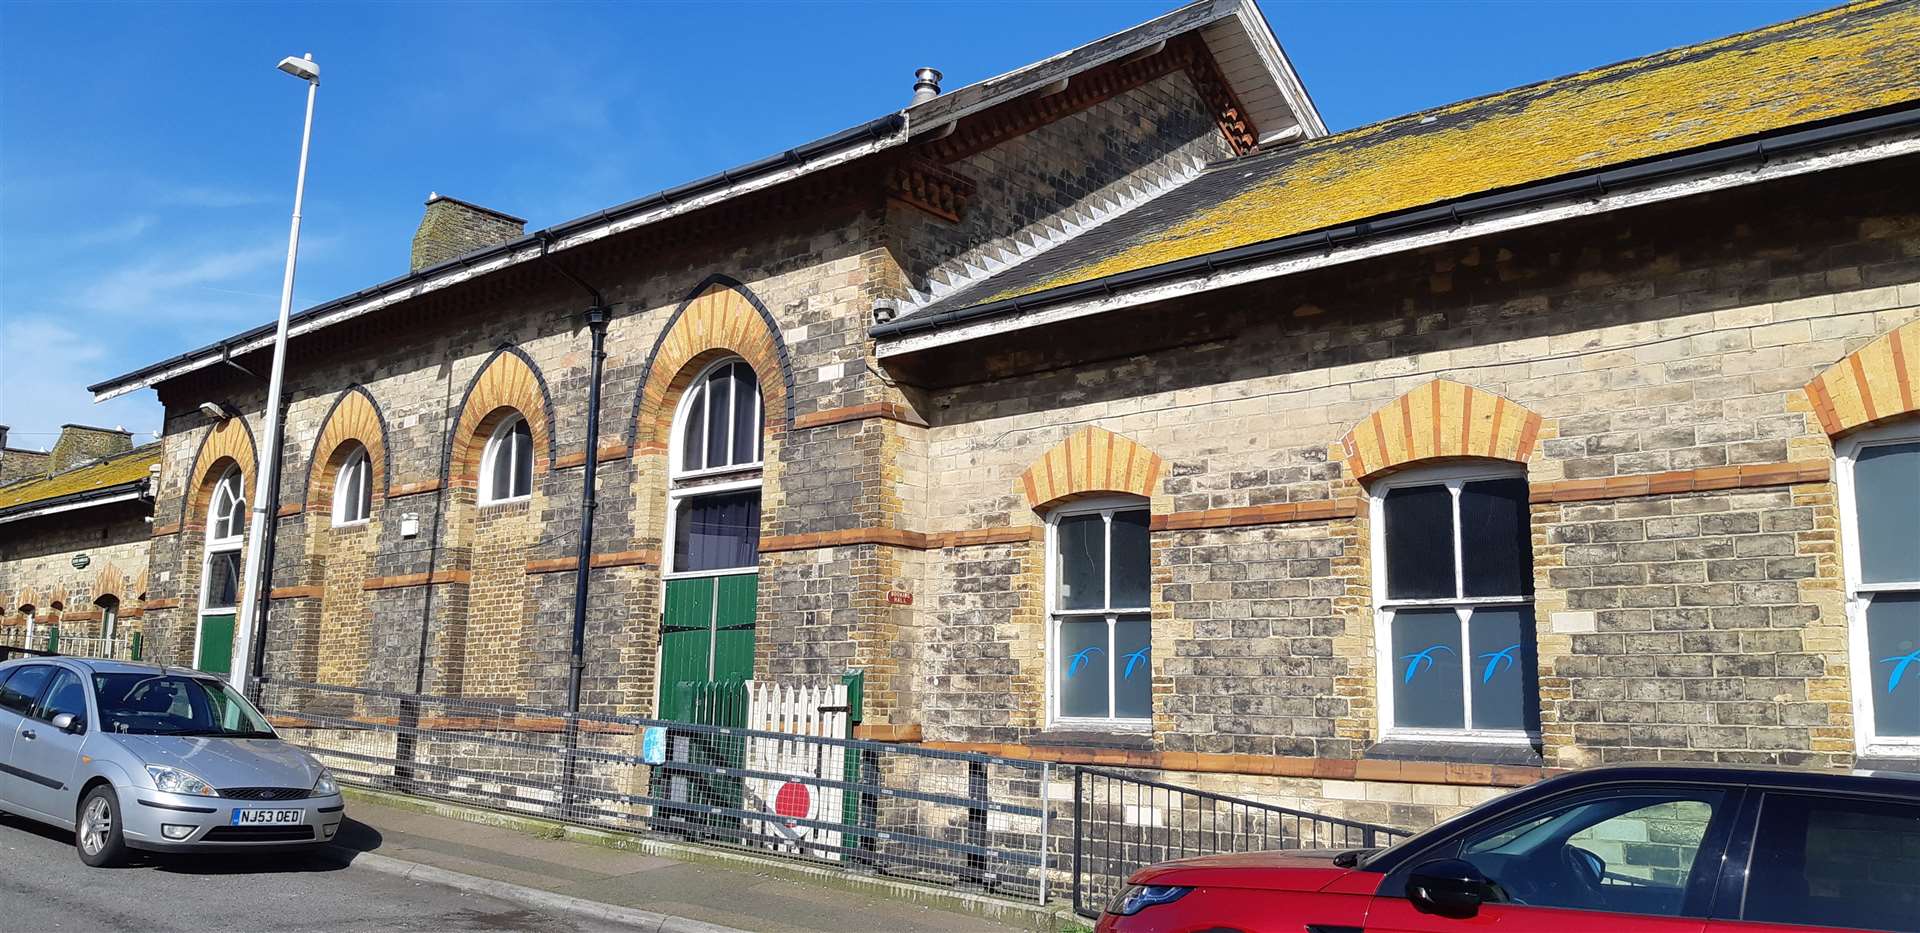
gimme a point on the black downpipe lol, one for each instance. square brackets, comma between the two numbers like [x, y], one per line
[263, 601]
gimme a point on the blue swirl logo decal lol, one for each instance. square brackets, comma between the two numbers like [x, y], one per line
[1498, 661]
[1081, 659]
[1137, 657]
[1421, 660]
[1900, 665]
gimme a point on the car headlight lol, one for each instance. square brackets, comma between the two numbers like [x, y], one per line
[1139, 897]
[325, 787]
[175, 781]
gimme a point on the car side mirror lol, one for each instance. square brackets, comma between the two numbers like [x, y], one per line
[69, 723]
[1448, 887]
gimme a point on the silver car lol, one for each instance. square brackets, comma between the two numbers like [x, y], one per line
[137, 756]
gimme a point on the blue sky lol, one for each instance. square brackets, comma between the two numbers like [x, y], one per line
[147, 151]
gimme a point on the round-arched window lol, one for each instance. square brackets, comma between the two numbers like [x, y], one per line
[718, 426]
[109, 606]
[506, 469]
[353, 489]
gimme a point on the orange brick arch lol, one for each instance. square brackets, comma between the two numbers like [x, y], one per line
[1091, 460]
[109, 580]
[1875, 383]
[229, 442]
[508, 380]
[1441, 419]
[720, 317]
[353, 420]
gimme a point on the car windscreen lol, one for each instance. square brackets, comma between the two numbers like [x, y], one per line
[174, 704]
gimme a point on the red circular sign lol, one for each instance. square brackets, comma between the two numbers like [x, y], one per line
[793, 800]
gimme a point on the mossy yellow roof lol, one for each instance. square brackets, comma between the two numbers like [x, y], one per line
[114, 471]
[1840, 61]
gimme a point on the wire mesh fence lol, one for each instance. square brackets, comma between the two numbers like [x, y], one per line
[1123, 823]
[960, 820]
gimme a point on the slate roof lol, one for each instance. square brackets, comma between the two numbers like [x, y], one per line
[118, 470]
[1842, 61]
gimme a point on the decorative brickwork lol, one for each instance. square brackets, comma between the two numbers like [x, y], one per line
[1093, 460]
[354, 420]
[720, 318]
[507, 383]
[1439, 420]
[228, 443]
[1874, 383]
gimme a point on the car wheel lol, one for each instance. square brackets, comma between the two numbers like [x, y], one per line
[97, 836]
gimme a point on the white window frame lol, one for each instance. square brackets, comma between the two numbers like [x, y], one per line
[220, 545]
[1867, 741]
[1454, 477]
[500, 437]
[1104, 506]
[109, 615]
[676, 443]
[347, 496]
[673, 520]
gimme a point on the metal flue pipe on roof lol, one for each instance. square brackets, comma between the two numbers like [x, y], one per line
[926, 85]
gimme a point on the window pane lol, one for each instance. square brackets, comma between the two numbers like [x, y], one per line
[1893, 641]
[363, 487]
[1083, 554]
[1419, 536]
[1131, 559]
[1083, 667]
[746, 415]
[67, 694]
[693, 438]
[1635, 853]
[23, 687]
[719, 532]
[1426, 671]
[522, 459]
[1886, 483]
[1502, 674]
[1835, 862]
[223, 580]
[500, 474]
[1496, 546]
[1133, 670]
[718, 386]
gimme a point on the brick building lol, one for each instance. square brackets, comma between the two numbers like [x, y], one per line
[1112, 411]
[74, 538]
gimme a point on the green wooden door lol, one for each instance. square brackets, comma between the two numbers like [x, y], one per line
[216, 643]
[707, 634]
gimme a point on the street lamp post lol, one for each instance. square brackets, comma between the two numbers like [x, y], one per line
[240, 670]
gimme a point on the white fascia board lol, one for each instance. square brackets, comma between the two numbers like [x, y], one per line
[68, 507]
[1517, 219]
[1281, 68]
[503, 261]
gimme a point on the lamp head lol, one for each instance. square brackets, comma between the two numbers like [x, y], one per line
[217, 411]
[306, 69]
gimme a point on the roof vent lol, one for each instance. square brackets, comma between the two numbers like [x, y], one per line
[452, 227]
[926, 85]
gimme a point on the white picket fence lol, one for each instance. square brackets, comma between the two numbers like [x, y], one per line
[797, 710]
[41, 638]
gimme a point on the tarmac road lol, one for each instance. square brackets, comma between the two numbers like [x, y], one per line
[43, 887]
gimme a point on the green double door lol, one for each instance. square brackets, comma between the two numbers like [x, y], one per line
[216, 643]
[707, 635]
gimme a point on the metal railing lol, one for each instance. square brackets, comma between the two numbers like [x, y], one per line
[48, 639]
[1123, 823]
[961, 820]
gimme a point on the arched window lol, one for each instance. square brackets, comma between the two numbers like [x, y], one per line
[1878, 470]
[109, 606]
[1453, 599]
[718, 426]
[353, 489]
[506, 469]
[1099, 630]
[713, 530]
[227, 515]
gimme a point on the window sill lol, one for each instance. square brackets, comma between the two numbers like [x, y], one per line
[504, 503]
[1906, 761]
[1119, 735]
[357, 523]
[1459, 751]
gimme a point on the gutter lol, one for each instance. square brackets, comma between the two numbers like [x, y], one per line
[884, 132]
[73, 501]
[1723, 158]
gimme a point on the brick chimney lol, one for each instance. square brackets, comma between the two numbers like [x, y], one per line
[80, 443]
[19, 464]
[452, 227]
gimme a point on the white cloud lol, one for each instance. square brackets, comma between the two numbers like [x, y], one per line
[138, 287]
[128, 229]
[206, 196]
[43, 380]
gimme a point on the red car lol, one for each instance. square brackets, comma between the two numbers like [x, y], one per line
[1654, 848]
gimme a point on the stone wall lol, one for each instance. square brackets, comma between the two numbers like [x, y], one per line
[36, 568]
